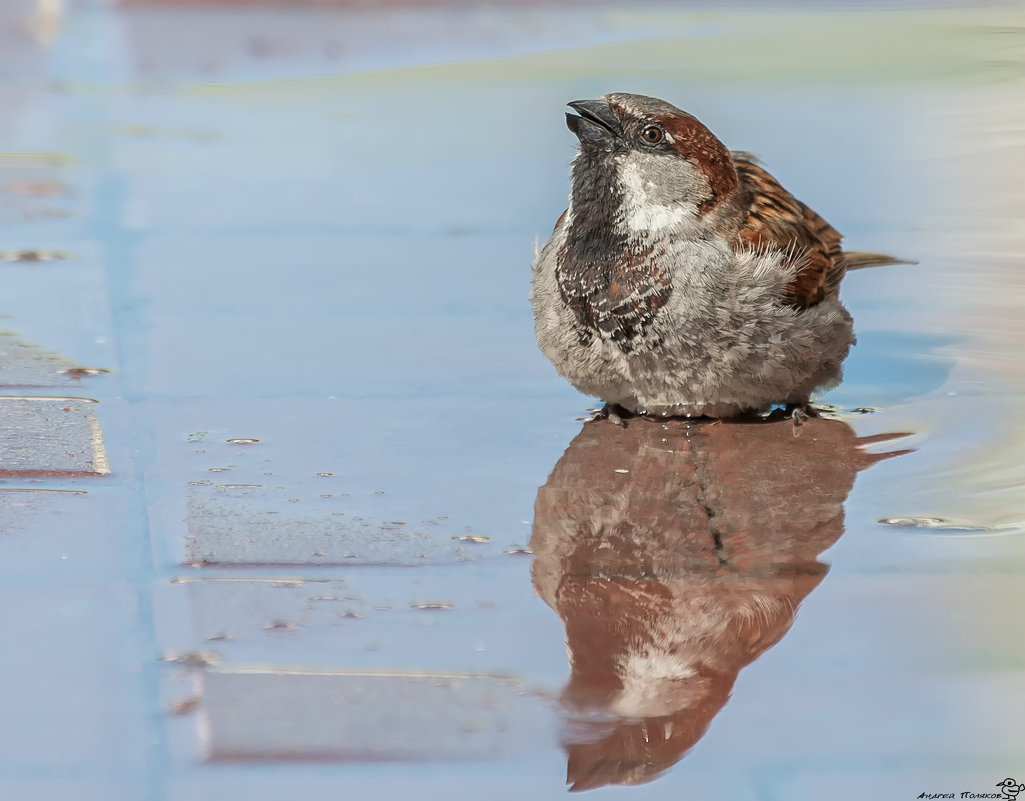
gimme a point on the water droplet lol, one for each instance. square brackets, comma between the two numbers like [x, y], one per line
[200, 659]
[432, 605]
[325, 475]
[183, 706]
[913, 522]
[620, 470]
[79, 372]
[218, 469]
[281, 625]
[242, 440]
[473, 538]
[935, 523]
[517, 551]
[32, 255]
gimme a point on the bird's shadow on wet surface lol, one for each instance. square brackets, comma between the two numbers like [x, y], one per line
[676, 553]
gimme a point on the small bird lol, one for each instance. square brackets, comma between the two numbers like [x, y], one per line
[683, 279]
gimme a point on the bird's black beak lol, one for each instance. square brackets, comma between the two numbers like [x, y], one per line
[597, 125]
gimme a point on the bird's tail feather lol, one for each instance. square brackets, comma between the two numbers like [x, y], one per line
[858, 259]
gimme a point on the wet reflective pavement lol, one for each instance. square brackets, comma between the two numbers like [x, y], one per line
[290, 502]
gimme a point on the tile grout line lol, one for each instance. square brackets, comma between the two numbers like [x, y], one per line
[117, 246]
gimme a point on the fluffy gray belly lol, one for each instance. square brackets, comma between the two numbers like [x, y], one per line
[715, 349]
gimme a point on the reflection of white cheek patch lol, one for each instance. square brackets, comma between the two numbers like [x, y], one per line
[642, 214]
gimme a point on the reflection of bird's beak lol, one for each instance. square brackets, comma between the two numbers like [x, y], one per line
[597, 124]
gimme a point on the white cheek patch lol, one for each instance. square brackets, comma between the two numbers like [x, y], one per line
[641, 214]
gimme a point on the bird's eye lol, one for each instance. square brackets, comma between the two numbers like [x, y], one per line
[653, 134]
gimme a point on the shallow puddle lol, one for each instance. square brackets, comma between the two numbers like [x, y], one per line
[334, 526]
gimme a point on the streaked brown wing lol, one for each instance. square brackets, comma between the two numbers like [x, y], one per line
[776, 220]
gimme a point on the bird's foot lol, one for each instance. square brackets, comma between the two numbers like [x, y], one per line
[801, 412]
[612, 412]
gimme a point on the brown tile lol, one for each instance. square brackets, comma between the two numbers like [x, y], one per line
[50, 436]
[262, 525]
[263, 714]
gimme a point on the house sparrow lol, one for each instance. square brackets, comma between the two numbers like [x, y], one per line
[675, 555]
[683, 279]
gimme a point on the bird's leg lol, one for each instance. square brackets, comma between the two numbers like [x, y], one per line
[612, 412]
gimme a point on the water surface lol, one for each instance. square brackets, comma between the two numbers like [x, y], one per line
[313, 228]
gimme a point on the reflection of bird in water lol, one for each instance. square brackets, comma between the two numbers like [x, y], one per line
[676, 553]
